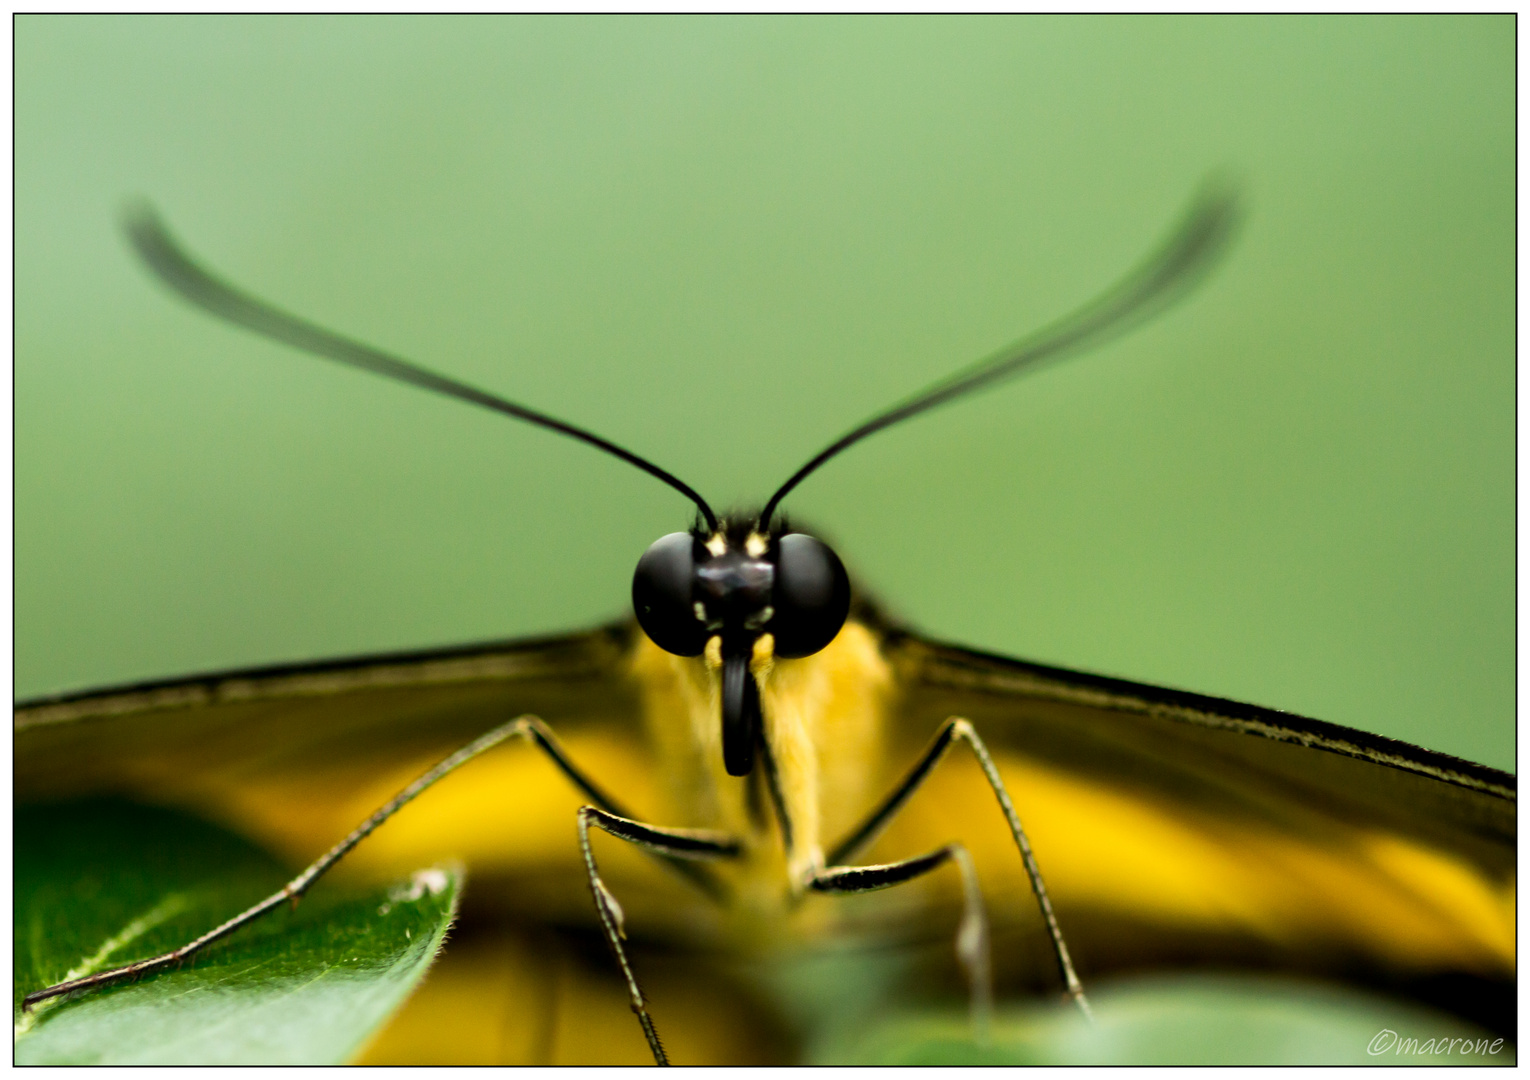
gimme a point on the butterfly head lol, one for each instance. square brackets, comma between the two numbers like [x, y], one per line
[740, 593]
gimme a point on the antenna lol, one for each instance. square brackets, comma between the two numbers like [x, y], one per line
[175, 268]
[1163, 277]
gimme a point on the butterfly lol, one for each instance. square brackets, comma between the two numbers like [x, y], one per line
[762, 741]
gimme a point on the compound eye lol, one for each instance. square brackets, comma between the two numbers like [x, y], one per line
[811, 598]
[661, 595]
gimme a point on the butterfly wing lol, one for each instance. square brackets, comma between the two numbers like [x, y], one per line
[294, 757]
[1182, 831]
[1175, 831]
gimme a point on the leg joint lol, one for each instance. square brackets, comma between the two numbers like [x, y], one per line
[854, 879]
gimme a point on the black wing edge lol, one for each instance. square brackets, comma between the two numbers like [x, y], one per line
[970, 668]
[587, 653]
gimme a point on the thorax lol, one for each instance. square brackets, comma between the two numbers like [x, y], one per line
[825, 719]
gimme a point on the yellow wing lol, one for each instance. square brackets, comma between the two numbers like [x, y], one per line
[1181, 830]
[1174, 831]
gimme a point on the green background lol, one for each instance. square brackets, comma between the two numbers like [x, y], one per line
[722, 241]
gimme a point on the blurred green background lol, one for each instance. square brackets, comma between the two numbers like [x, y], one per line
[721, 242]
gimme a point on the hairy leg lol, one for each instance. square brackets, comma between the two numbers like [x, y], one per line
[972, 948]
[958, 729]
[666, 843]
[526, 727]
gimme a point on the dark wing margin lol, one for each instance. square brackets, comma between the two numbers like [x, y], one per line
[381, 705]
[1185, 832]
[1234, 774]
[1216, 749]
[567, 656]
[923, 665]
[965, 667]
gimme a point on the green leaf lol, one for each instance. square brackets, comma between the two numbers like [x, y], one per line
[1187, 1020]
[102, 883]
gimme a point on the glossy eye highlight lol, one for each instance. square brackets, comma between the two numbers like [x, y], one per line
[661, 595]
[811, 597]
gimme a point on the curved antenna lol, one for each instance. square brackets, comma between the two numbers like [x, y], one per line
[1160, 279]
[158, 249]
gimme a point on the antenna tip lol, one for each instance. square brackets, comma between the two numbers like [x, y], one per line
[136, 212]
[1221, 198]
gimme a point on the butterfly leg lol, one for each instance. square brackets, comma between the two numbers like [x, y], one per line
[667, 843]
[953, 730]
[527, 727]
[971, 937]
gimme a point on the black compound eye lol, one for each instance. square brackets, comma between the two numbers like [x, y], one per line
[661, 595]
[811, 598]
